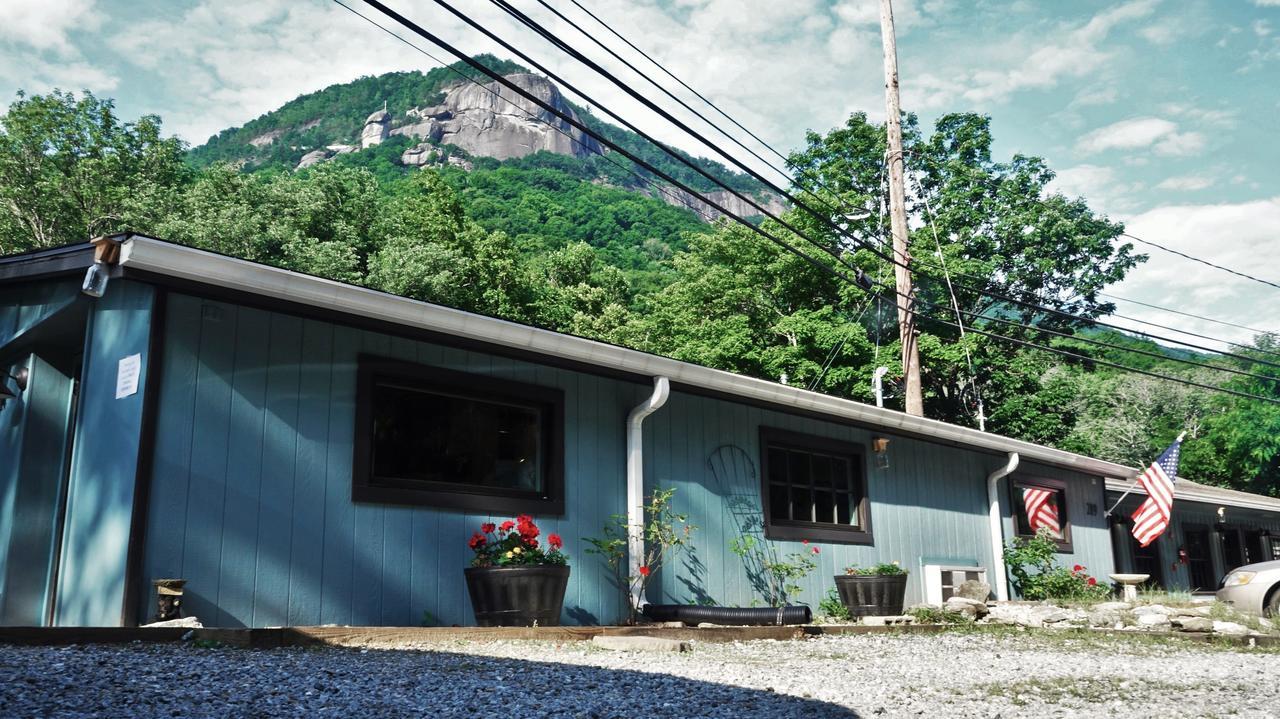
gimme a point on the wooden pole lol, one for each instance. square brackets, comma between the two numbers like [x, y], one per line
[898, 216]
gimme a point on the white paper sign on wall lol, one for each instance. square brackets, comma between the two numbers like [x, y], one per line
[127, 376]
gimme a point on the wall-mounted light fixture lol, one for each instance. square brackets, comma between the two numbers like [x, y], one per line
[880, 447]
[1222, 515]
[106, 255]
[19, 378]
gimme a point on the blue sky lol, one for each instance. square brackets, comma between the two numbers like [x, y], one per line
[1163, 113]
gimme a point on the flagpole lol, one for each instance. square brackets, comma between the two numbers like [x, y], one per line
[1129, 491]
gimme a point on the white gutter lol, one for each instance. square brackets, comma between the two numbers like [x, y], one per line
[997, 526]
[635, 481]
[877, 383]
[141, 253]
[1190, 493]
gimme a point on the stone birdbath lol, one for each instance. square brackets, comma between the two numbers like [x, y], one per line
[1129, 584]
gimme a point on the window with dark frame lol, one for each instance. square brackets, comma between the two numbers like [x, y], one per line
[435, 437]
[1023, 490]
[814, 488]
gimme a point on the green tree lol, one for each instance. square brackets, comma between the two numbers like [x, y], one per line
[70, 170]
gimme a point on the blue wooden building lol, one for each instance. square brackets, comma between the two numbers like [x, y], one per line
[306, 452]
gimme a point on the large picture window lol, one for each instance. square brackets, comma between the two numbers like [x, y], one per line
[813, 488]
[1041, 505]
[442, 438]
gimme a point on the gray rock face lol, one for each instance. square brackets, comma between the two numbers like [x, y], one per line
[495, 122]
[376, 129]
[723, 198]
[314, 157]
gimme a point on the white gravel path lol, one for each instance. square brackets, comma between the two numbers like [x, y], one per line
[962, 674]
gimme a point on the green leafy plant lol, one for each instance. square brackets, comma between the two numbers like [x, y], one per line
[883, 569]
[937, 615]
[781, 574]
[831, 606]
[666, 534]
[1037, 576]
[514, 543]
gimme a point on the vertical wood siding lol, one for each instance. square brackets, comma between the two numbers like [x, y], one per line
[251, 494]
[104, 461]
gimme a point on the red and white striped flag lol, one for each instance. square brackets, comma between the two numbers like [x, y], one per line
[1152, 517]
[1042, 510]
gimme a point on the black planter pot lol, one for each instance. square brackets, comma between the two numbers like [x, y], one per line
[872, 596]
[517, 596]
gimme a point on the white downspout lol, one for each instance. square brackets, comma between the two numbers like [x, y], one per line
[997, 526]
[635, 479]
[877, 383]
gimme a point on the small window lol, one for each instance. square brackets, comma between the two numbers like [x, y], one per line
[813, 488]
[1041, 504]
[441, 438]
[1275, 547]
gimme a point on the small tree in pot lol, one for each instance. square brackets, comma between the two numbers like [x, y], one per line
[874, 591]
[513, 580]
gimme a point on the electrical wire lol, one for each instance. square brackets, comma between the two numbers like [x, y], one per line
[1172, 251]
[557, 42]
[860, 281]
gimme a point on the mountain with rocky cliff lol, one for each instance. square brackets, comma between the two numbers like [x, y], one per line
[442, 118]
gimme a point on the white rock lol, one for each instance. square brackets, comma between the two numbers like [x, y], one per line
[968, 607]
[1150, 609]
[1230, 628]
[640, 644]
[1112, 607]
[1153, 620]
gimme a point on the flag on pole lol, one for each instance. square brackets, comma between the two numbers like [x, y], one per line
[1042, 510]
[1152, 517]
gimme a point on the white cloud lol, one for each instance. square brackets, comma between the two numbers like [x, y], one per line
[1267, 3]
[1235, 235]
[1099, 185]
[1157, 134]
[1095, 95]
[1185, 183]
[45, 24]
[1038, 60]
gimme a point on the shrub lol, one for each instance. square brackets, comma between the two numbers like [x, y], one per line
[1047, 580]
[831, 606]
[666, 533]
[781, 574]
[883, 569]
[937, 615]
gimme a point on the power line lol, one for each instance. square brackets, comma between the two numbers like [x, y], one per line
[1186, 314]
[559, 43]
[860, 281]
[1170, 250]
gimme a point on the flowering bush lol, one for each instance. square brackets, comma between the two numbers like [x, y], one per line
[666, 533]
[514, 543]
[779, 576]
[1049, 581]
[883, 569]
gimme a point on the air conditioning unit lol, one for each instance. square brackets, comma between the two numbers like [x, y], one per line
[940, 580]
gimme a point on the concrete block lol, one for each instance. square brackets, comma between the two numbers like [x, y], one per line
[640, 644]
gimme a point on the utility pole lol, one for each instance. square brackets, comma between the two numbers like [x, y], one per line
[898, 216]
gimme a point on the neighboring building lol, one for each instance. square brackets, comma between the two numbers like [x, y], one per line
[1214, 530]
[307, 452]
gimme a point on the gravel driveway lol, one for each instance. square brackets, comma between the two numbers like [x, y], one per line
[961, 674]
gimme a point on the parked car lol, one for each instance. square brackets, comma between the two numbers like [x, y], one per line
[1253, 588]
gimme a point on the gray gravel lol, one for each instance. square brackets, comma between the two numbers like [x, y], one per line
[1006, 674]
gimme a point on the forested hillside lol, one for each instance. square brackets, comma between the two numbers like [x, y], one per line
[560, 242]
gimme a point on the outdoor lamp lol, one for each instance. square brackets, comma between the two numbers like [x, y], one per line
[19, 379]
[95, 280]
[880, 446]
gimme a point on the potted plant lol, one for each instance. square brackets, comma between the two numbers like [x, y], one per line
[513, 580]
[874, 591]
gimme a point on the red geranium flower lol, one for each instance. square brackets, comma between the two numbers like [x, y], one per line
[644, 571]
[487, 527]
[531, 542]
[1092, 581]
[526, 527]
[555, 541]
[507, 525]
[1077, 568]
[477, 540]
[816, 550]
[804, 541]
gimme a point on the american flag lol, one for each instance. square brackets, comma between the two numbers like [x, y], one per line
[1042, 510]
[1152, 517]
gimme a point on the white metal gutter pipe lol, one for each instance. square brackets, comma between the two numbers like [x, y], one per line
[635, 479]
[1001, 581]
[877, 382]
